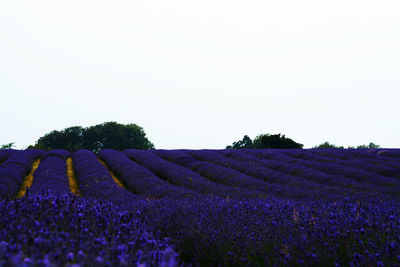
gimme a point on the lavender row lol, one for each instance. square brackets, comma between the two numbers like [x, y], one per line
[49, 230]
[376, 155]
[228, 175]
[346, 159]
[180, 176]
[5, 153]
[356, 175]
[96, 182]
[373, 156]
[213, 172]
[215, 232]
[310, 180]
[51, 175]
[53, 230]
[139, 179]
[383, 169]
[307, 179]
[14, 170]
[388, 152]
[366, 156]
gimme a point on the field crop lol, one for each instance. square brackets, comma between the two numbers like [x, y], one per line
[270, 207]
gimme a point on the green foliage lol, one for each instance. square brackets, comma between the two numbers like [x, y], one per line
[8, 146]
[327, 145]
[244, 143]
[106, 135]
[116, 136]
[70, 139]
[274, 141]
[371, 145]
[265, 141]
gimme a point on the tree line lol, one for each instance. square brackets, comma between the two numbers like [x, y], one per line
[265, 141]
[280, 141]
[329, 145]
[95, 138]
[124, 136]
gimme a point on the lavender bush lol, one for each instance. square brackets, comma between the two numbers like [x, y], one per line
[214, 172]
[272, 232]
[51, 175]
[5, 153]
[95, 181]
[202, 208]
[180, 176]
[54, 230]
[317, 156]
[139, 179]
[14, 169]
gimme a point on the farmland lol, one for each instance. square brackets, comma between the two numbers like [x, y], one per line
[255, 207]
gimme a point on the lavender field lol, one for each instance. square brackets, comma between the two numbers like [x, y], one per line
[269, 207]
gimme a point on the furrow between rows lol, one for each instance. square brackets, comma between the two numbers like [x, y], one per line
[116, 180]
[28, 181]
[73, 183]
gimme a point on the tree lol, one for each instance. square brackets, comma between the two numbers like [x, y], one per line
[244, 143]
[106, 135]
[327, 145]
[71, 139]
[274, 141]
[265, 141]
[116, 136]
[371, 145]
[7, 146]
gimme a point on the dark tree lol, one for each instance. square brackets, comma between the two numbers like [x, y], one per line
[371, 145]
[327, 145]
[106, 135]
[244, 143]
[116, 136]
[274, 141]
[70, 139]
[7, 146]
[265, 141]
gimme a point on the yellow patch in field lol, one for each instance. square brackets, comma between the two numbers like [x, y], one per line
[118, 181]
[73, 183]
[27, 183]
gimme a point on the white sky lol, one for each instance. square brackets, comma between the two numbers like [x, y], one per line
[201, 74]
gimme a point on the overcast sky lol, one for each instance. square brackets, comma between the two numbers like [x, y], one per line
[202, 74]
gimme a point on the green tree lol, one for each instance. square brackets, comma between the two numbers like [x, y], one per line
[106, 135]
[116, 136]
[244, 143]
[371, 145]
[8, 146]
[274, 141]
[327, 145]
[70, 139]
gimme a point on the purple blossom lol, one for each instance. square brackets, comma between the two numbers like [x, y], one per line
[96, 182]
[51, 173]
[140, 179]
[265, 207]
[14, 169]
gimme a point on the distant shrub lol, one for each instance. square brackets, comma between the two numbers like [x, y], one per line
[8, 146]
[371, 145]
[274, 141]
[246, 142]
[265, 141]
[327, 145]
